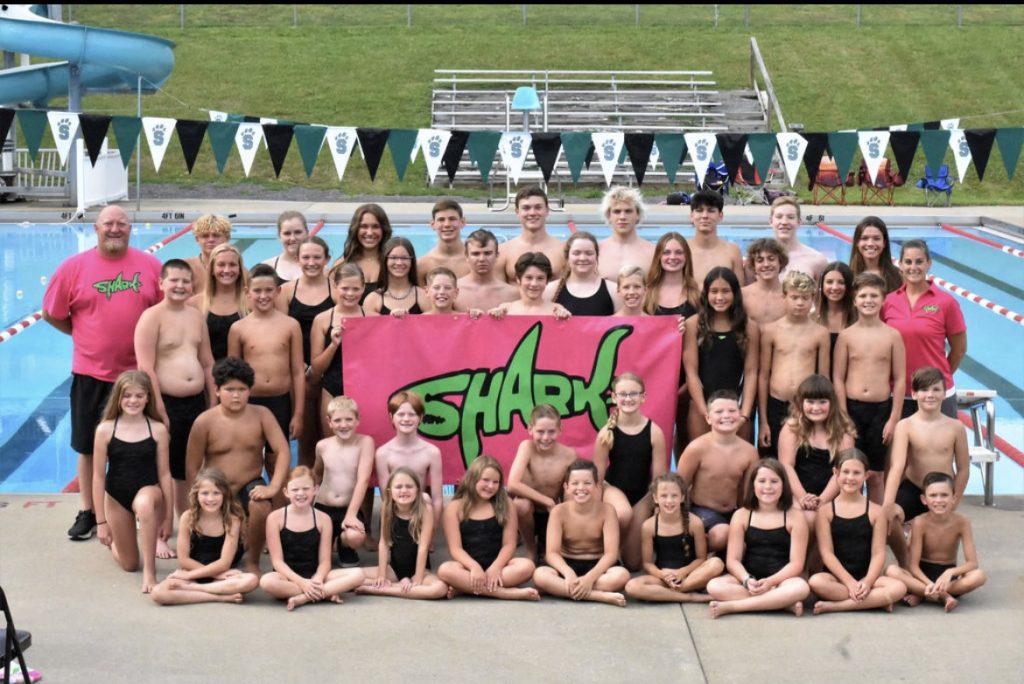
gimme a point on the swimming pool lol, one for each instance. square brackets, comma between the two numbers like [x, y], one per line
[35, 456]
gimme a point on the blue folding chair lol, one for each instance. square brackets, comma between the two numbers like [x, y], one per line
[933, 186]
[716, 179]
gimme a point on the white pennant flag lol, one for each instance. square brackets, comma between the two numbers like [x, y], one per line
[701, 147]
[950, 124]
[513, 148]
[247, 140]
[158, 134]
[434, 143]
[872, 148]
[218, 116]
[793, 146]
[64, 126]
[340, 140]
[608, 145]
[961, 152]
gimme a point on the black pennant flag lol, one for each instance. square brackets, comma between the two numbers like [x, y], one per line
[373, 141]
[816, 144]
[6, 117]
[639, 147]
[545, 151]
[279, 138]
[980, 141]
[190, 135]
[453, 153]
[731, 146]
[94, 129]
[904, 147]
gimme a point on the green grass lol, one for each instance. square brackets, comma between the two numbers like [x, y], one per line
[361, 65]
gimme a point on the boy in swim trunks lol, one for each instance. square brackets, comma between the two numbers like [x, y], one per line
[933, 573]
[926, 442]
[343, 465]
[271, 342]
[763, 299]
[485, 287]
[715, 466]
[442, 290]
[785, 222]
[869, 377]
[447, 222]
[707, 250]
[532, 212]
[623, 210]
[231, 436]
[172, 346]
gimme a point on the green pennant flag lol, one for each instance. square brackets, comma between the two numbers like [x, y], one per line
[762, 149]
[575, 146]
[221, 135]
[33, 124]
[126, 132]
[1010, 141]
[401, 141]
[482, 146]
[842, 147]
[310, 139]
[671, 147]
[935, 144]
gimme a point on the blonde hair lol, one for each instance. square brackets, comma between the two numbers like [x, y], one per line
[628, 271]
[545, 411]
[388, 509]
[240, 284]
[211, 224]
[466, 490]
[133, 377]
[342, 403]
[606, 435]
[798, 282]
[623, 194]
[783, 201]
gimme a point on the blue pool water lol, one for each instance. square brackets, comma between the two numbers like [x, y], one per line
[35, 364]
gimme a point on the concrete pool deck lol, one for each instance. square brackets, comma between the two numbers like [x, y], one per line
[90, 623]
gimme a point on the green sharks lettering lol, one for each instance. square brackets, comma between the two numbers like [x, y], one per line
[118, 284]
[492, 398]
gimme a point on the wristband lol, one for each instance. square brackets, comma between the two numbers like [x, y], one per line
[746, 582]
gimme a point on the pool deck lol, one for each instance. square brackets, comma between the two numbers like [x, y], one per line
[90, 623]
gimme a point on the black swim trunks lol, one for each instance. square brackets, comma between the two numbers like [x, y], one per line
[908, 496]
[244, 492]
[182, 412]
[88, 398]
[869, 418]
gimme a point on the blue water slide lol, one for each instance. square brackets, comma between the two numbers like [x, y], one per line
[108, 60]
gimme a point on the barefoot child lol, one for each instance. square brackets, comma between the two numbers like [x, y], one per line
[675, 550]
[870, 377]
[851, 539]
[933, 573]
[447, 221]
[132, 439]
[209, 543]
[344, 463]
[766, 552]
[536, 476]
[792, 348]
[481, 531]
[299, 542]
[763, 298]
[629, 452]
[406, 532]
[533, 273]
[716, 466]
[583, 543]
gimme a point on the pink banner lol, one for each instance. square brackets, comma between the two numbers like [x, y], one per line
[480, 379]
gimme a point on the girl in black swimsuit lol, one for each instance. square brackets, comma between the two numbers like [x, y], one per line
[481, 531]
[131, 438]
[580, 287]
[223, 300]
[835, 309]
[368, 230]
[851, 537]
[398, 294]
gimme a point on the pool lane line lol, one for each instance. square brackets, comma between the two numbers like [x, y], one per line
[317, 227]
[945, 284]
[1011, 452]
[985, 241]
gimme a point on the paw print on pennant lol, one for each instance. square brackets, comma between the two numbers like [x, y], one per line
[701, 150]
[793, 150]
[248, 138]
[64, 129]
[873, 151]
[341, 143]
[159, 135]
[434, 146]
[608, 150]
[516, 147]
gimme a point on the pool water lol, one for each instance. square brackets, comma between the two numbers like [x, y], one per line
[35, 456]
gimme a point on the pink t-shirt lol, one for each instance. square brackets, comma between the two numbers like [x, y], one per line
[936, 316]
[104, 299]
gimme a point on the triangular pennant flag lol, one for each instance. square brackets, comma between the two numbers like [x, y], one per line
[762, 149]
[190, 136]
[842, 147]
[872, 148]
[513, 149]
[816, 145]
[279, 139]
[732, 145]
[453, 153]
[341, 141]
[247, 140]
[904, 147]
[792, 147]
[372, 142]
[961, 152]
[158, 135]
[126, 133]
[217, 116]
[222, 138]
[608, 145]
[401, 141]
[935, 143]
[980, 141]
[483, 146]
[671, 149]
[6, 118]
[310, 140]
[950, 124]
[1010, 141]
[433, 143]
[576, 146]
[702, 148]
[639, 146]
[546, 147]
[94, 129]
[33, 124]
[64, 127]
